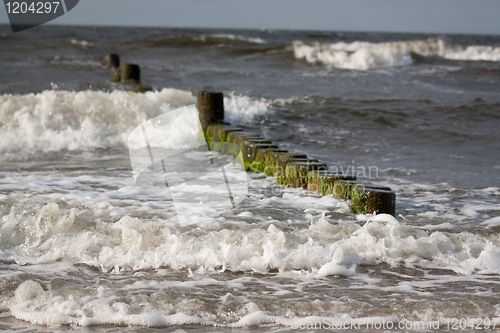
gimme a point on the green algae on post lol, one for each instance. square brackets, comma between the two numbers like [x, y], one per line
[272, 157]
[342, 189]
[322, 181]
[282, 163]
[259, 164]
[224, 132]
[293, 170]
[250, 149]
[219, 132]
[367, 200]
[280, 167]
[296, 173]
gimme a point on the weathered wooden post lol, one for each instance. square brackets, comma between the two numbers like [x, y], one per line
[114, 65]
[113, 61]
[369, 200]
[131, 73]
[296, 173]
[322, 181]
[210, 108]
[291, 169]
[220, 132]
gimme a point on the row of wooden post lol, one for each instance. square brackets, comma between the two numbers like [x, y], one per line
[127, 72]
[293, 170]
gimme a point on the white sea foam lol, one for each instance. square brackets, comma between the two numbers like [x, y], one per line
[242, 109]
[493, 222]
[155, 240]
[44, 307]
[365, 55]
[57, 223]
[32, 303]
[55, 120]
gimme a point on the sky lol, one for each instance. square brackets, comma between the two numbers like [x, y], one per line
[427, 16]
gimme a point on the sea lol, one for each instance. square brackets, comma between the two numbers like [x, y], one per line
[84, 248]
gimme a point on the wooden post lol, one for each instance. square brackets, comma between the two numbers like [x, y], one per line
[210, 108]
[113, 61]
[114, 65]
[219, 132]
[369, 200]
[131, 73]
[322, 181]
[293, 170]
[296, 173]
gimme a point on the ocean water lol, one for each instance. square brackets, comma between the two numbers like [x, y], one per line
[83, 248]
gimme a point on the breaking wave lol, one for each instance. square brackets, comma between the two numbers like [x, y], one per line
[56, 120]
[365, 55]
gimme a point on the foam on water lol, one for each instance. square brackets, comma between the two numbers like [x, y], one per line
[31, 303]
[57, 224]
[56, 120]
[240, 110]
[81, 244]
[134, 228]
[43, 307]
[149, 304]
[365, 55]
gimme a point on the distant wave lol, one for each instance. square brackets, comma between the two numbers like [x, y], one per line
[187, 40]
[238, 37]
[365, 55]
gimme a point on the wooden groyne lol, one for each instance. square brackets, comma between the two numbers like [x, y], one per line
[290, 169]
[261, 155]
[127, 73]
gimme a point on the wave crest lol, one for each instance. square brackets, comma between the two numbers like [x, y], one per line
[62, 120]
[365, 55]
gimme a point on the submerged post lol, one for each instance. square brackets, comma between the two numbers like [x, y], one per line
[210, 108]
[131, 73]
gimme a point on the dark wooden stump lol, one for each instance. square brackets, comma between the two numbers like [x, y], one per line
[211, 108]
[342, 189]
[239, 138]
[113, 61]
[131, 73]
[368, 200]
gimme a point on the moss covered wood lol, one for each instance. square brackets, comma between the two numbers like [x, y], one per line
[250, 149]
[210, 108]
[368, 200]
[296, 173]
[342, 189]
[322, 181]
[259, 164]
[273, 157]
